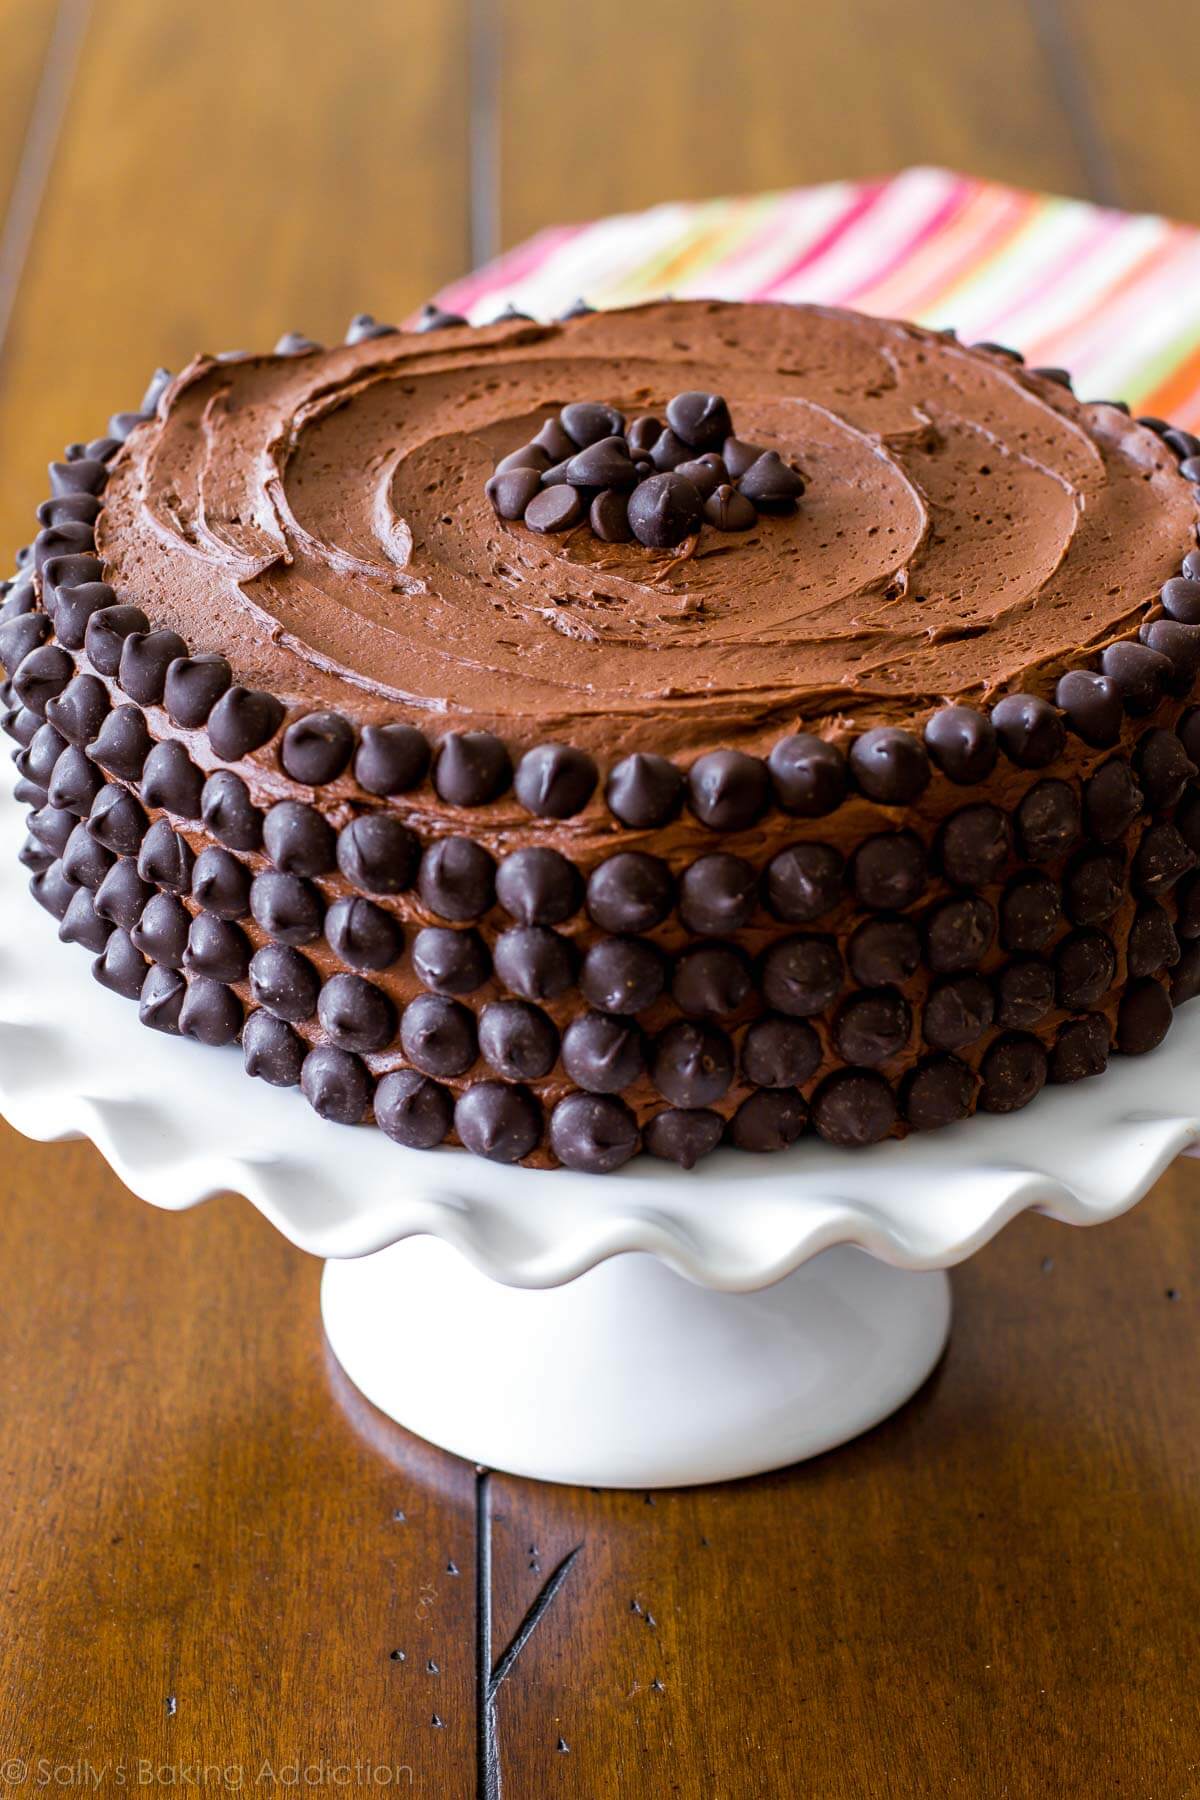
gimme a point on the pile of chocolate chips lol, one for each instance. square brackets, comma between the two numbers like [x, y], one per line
[645, 480]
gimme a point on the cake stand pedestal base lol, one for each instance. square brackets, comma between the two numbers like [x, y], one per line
[632, 1376]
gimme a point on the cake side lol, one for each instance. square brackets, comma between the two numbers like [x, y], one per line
[713, 888]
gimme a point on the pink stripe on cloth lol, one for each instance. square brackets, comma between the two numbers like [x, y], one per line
[858, 209]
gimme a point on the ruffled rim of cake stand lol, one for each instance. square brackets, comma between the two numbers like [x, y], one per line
[180, 1122]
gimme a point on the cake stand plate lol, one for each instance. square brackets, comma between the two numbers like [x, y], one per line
[739, 1324]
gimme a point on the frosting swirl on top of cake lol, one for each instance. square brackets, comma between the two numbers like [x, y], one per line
[968, 529]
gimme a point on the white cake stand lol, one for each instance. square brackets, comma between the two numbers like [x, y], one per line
[648, 1328]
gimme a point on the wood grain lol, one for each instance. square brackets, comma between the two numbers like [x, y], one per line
[606, 109]
[227, 172]
[215, 1552]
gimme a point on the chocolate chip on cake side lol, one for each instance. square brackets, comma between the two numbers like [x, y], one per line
[690, 725]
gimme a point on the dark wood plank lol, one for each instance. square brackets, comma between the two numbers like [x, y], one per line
[1128, 61]
[212, 1545]
[605, 109]
[227, 172]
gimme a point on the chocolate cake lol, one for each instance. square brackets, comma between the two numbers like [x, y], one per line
[692, 724]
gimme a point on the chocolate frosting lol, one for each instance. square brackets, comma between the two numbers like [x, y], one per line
[968, 528]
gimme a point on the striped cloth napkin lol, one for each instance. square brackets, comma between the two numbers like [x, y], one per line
[1114, 297]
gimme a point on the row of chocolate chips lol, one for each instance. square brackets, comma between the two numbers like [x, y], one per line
[685, 1070]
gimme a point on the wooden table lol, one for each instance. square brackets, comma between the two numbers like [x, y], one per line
[219, 1562]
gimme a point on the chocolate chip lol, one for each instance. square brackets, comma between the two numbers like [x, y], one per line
[604, 464]
[21, 724]
[85, 861]
[218, 948]
[378, 854]
[166, 858]
[68, 539]
[718, 894]
[52, 826]
[1143, 1018]
[335, 1084]
[316, 749]
[1048, 821]
[80, 710]
[609, 517]
[517, 1040]
[42, 674]
[738, 456]
[889, 765]
[457, 879]
[726, 509]
[75, 782]
[1029, 731]
[288, 909]
[1161, 858]
[84, 475]
[227, 812]
[809, 776]
[1024, 992]
[472, 768]
[1163, 768]
[939, 1091]
[122, 895]
[1152, 943]
[887, 872]
[1181, 600]
[711, 980]
[1180, 644]
[800, 976]
[1094, 886]
[691, 1063]
[669, 451]
[728, 790]
[602, 1052]
[768, 1121]
[538, 886]
[962, 743]
[294, 343]
[664, 510]
[1185, 983]
[771, 484]
[1187, 819]
[630, 891]
[872, 1025]
[1139, 674]
[622, 975]
[431, 318]
[285, 982]
[143, 667]
[1112, 800]
[28, 793]
[511, 490]
[497, 1121]
[272, 1050]
[587, 422]
[356, 1014]
[1092, 705]
[644, 790]
[1029, 913]
[162, 931]
[536, 963]
[450, 962]
[364, 328]
[162, 997]
[593, 1133]
[438, 1035]
[1081, 1049]
[171, 780]
[1014, 1071]
[554, 509]
[883, 951]
[81, 923]
[974, 845]
[854, 1107]
[529, 456]
[701, 420]
[643, 433]
[683, 1135]
[211, 1012]
[21, 636]
[706, 474]
[242, 721]
[75, 606]
[54, 890]
[392, 759]
[120, 967]
[1085, 966]
[413, 1110]
[957, 1013]
[553, 440]
[803, 882]
[37, 762]
[193, 685]
[555, 781]
[1188, 731]
[1187, 907]
[362, 934]
[298, 840]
